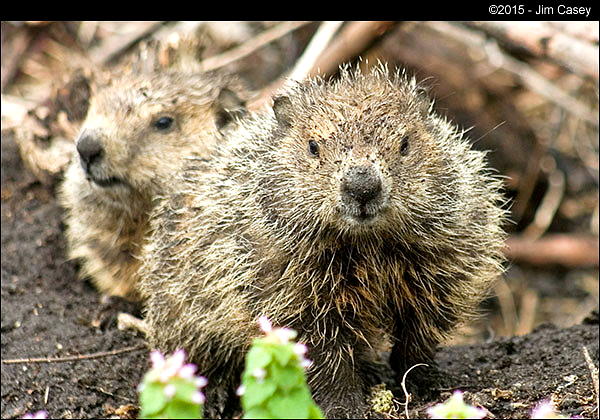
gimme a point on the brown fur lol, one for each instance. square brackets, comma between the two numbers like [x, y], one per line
[106, 225]
[266, 229]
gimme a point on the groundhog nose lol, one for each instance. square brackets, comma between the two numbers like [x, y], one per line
[90, 149]
[362, 183]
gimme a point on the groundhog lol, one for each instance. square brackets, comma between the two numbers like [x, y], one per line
[138, 131]
[351, 213]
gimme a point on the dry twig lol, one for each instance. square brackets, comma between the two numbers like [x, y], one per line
[307, 62]
[110, 394]
[508, 308]
[594, 373]
[543, 39]
[540, 85]
[13, 54]
[351, 40]
[250, 46]
[528, 309]
[561, 249]
[406, 393]
[73, 358]
[117, 44]
[549, 205]
[529, 77]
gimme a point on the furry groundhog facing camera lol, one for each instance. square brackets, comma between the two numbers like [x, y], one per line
[351, 213]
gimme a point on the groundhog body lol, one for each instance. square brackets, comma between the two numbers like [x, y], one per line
[351, 213]
[138, 131]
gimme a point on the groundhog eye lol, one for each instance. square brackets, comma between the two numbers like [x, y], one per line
[163, 123]
[313, 148]
[404, 146]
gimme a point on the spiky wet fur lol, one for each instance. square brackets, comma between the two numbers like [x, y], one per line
[262, 231]
[106, 226]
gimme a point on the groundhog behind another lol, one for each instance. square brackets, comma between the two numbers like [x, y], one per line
[352, 214]
[138, 131]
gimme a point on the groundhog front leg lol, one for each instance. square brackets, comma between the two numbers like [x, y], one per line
[408, 351]
[415, 338]
[339, 381]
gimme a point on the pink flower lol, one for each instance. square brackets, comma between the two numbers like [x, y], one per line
[240, 391]
[284, 335]
[171, 371]
[166, 368]
[546, 410]
[300, 349]
[198, 397]
[170, 391]
[201, 382]
[259, 373]
[158, 360]
[187, 371]
[178, 358]
[42, 414]
[455, 408]
[305, 363]
[265, 324]
[281, 335]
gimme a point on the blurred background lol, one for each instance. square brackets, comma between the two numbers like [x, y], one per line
[527, 92]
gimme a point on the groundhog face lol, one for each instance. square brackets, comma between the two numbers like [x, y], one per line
[138, 132]
[360, 156]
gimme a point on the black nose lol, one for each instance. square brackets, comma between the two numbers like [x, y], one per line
[362, 183]
[90, 150]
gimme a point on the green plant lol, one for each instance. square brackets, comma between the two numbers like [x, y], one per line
[546, 410]
[273, 382]
[455, 408]
[170, 389]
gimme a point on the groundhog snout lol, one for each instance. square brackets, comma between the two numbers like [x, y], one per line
[90, 150]
[362, 184]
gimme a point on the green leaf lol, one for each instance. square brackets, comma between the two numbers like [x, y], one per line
[287, 377]
[283, 354]
[257, 358]
[314, 412]
[152, 398]
[177, 409]
[288, 408]
[301, 394]
[257, 392]
[184, 389]
[158, 415]
[258, 413]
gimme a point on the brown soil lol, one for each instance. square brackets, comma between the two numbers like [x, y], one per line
[48, 312]
[509, 376]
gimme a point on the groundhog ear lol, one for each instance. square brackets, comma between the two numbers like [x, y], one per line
[229, 106]
[282, 106]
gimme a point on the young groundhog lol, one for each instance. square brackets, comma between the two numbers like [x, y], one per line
[352, 213]
[138, 131]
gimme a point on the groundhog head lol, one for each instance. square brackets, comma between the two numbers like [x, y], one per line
[138, 130]
[361, 154]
